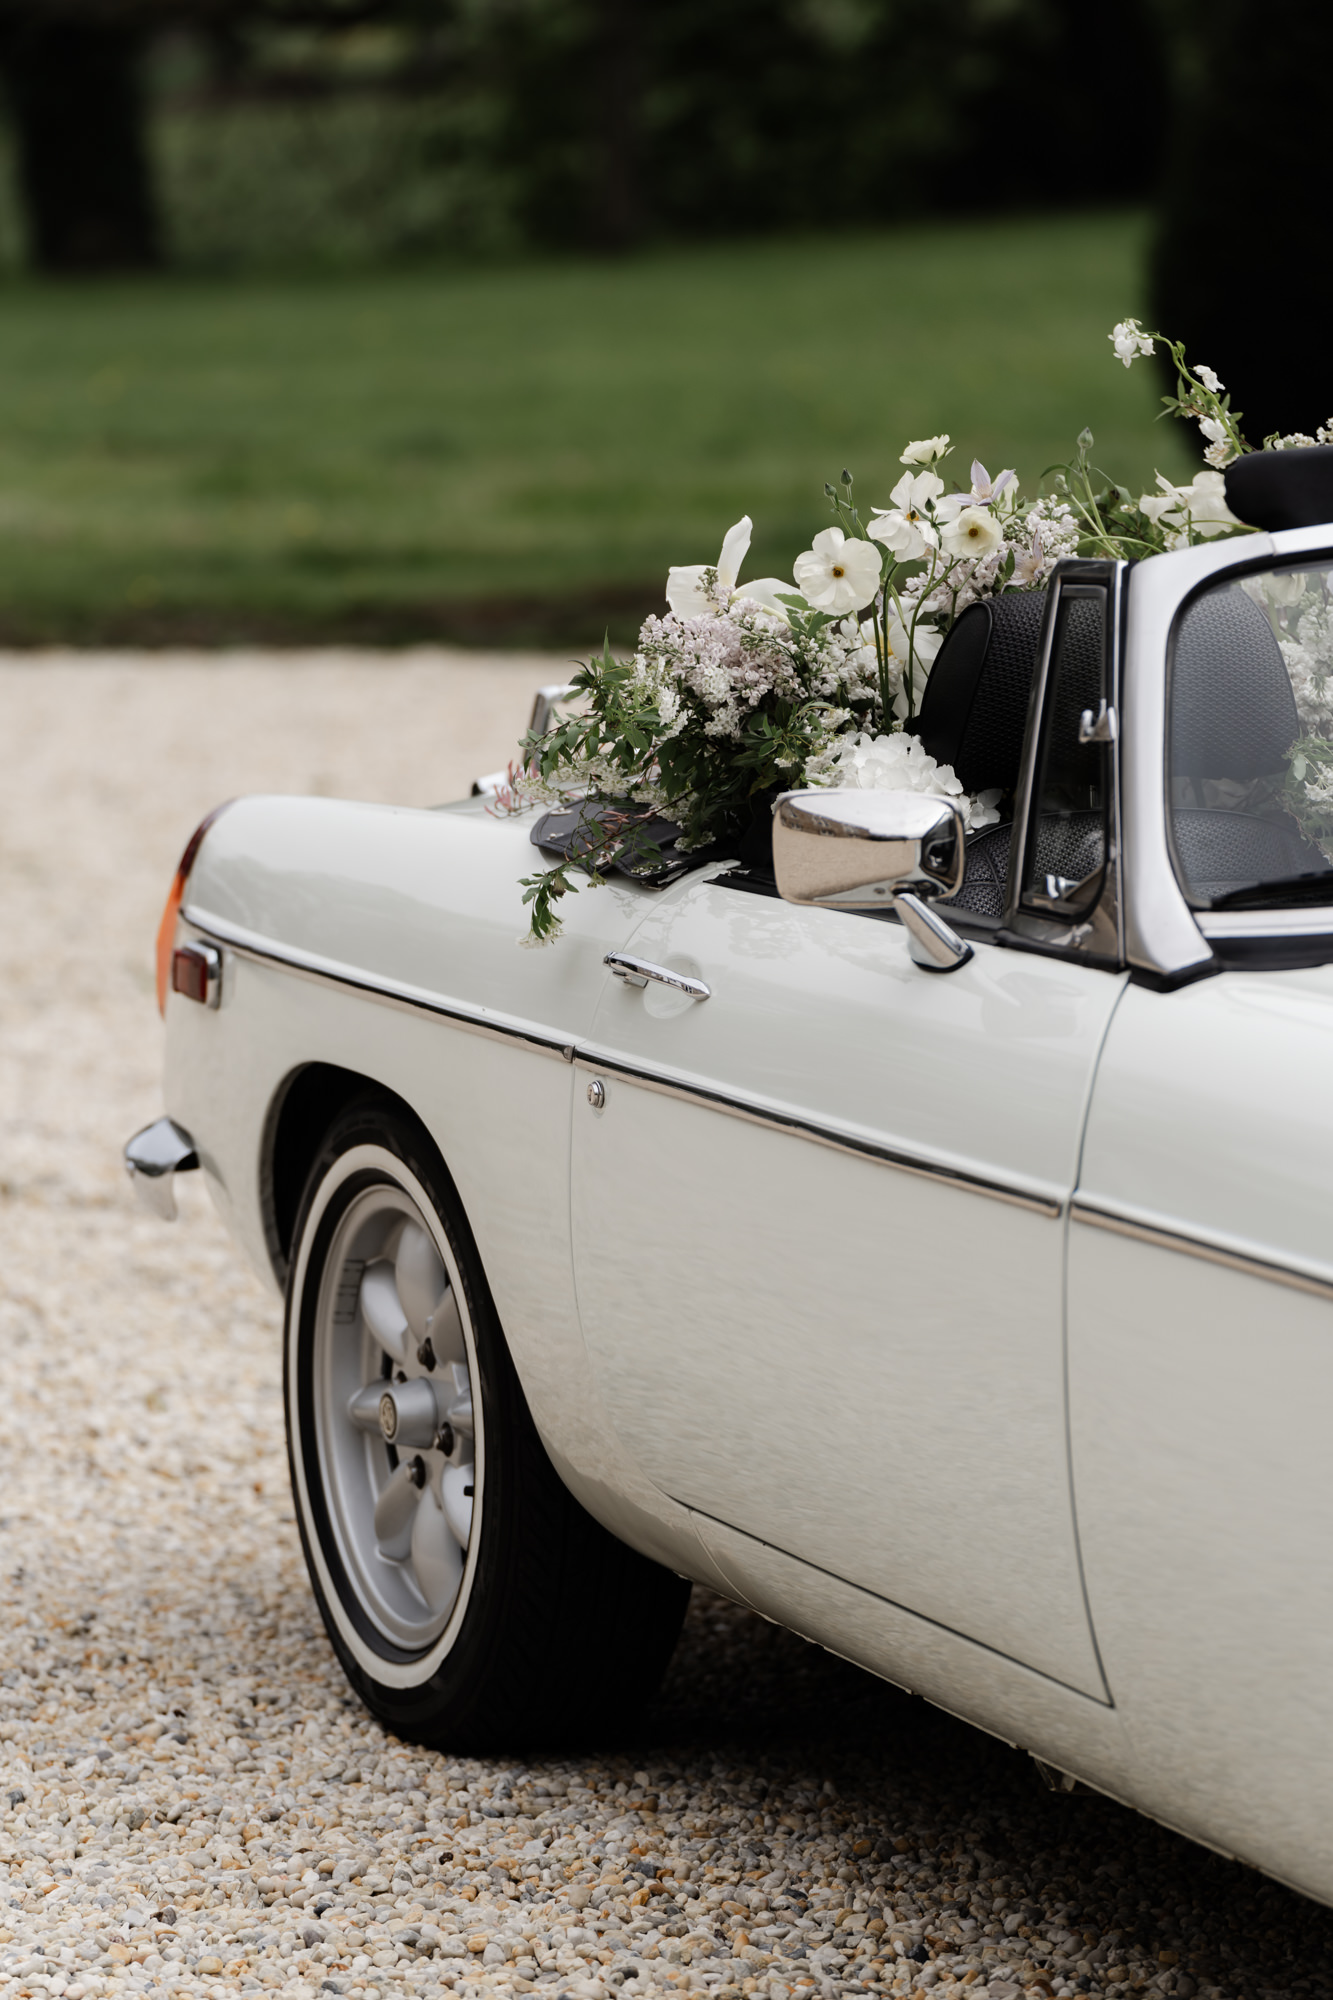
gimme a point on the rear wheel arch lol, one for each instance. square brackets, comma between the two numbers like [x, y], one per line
[305, 1107]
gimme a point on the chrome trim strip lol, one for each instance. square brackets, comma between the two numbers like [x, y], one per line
[1198, 1246]
[1315, 920]
[389, 992]
[819, 1135]
[1103, 1700]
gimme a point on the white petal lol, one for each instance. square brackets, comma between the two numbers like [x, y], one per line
[685, 592]
[734, 551]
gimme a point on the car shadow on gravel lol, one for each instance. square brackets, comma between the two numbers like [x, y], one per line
[920, 1787]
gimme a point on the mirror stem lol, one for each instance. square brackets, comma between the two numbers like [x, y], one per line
[930, 941]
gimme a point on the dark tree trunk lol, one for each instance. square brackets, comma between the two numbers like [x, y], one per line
[1241, 269]
[76, 98]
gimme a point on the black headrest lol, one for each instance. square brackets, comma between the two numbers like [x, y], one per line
[1233, 714]
[1282, 489]
[975, 706]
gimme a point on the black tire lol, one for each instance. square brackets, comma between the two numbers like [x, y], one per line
[558, 1630]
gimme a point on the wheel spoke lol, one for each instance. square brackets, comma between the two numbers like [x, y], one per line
[446, 1330]
[395, 1513]
[420, 1277]
[364, 1408]
[456, 1490]
[382, 1309]
[437, 1560]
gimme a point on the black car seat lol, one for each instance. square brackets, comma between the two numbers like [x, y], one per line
[1233, 716]
[974, 715]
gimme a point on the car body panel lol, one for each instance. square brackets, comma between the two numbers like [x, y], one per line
[896, 1326]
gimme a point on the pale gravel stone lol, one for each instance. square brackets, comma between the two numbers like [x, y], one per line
[175, 1737]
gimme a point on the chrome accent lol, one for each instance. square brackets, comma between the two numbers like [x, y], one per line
[196, 971]
[1162, 935]
[1049, 1205]
[153, 1158]
[597, 1093]
[931, 943]
[545, 703]
[1309, 920]
[408, 1414]
[638, 971]
[1103, 727]
[860, 850]
[1099, 930]
[389, 992]
[1198, 1246]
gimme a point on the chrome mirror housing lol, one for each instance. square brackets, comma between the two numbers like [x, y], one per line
[868, 850]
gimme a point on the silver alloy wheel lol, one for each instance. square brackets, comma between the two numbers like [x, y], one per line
[396, 1427]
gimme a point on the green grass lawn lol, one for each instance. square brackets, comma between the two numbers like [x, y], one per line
[519, 452]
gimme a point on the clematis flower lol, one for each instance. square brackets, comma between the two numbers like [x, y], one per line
[1129, 341]
[974, 534]
[836, 574]
[986, 492]
[1029, 566]
[924, 451]
[688, 591]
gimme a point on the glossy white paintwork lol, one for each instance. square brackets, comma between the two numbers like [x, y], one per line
[856, 1363]
[827, 1385]
[1200, 1400]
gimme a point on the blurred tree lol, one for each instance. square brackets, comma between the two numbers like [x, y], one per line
[1240, 271]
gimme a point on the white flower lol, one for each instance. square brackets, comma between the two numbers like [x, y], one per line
[897, 763]
[916, 491]
[924, 451]
[1129, 341]
[702, 590]
[908, 535]
[1031, 563]
[836, 574]
[985, 490]
[1197, 511]
[974, 534]
[1209, 379]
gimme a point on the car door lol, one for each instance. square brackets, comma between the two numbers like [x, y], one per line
[818, 1224]
[1201, 1269]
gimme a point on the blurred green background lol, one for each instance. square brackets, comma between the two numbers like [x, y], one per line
[391, 320]
[518, 453]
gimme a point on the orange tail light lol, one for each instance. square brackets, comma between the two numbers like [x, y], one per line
[166, 930]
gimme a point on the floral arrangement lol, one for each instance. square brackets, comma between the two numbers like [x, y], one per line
[744, 689]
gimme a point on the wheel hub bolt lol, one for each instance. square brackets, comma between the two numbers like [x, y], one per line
[416, 1471]
[444, 1439]
[426, 1354]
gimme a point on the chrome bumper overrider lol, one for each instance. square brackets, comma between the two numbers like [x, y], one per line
[153, 1158]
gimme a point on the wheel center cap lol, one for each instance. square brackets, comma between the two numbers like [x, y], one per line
[388, 1417]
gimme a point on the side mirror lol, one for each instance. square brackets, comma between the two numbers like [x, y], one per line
[867, 850]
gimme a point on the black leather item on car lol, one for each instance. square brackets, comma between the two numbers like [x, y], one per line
[975, 706]
[1221, 851]
[1233, 714]
[1282, 489]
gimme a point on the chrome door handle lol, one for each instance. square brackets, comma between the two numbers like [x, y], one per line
[638, 971]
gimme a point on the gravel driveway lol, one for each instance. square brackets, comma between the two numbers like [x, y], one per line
[190, 1799]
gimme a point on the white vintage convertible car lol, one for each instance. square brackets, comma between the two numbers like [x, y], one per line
[927, 1241]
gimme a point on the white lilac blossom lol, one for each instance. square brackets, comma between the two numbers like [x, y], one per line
[1129, 341]
[897, 763]
[838, 573]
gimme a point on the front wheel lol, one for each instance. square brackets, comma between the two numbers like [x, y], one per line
[469, 1597]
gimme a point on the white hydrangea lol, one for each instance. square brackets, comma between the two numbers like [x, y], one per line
[898, 763]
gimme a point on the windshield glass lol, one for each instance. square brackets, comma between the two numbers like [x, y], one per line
[1250, 740]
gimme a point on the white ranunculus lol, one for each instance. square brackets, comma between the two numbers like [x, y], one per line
[901, 763]
[916, 490]
[688, 592]
[974, 534]
[924, 451]
[836, 574]
[1129, 341]
[908, 536]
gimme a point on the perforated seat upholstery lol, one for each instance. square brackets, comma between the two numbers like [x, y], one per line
[1233, 717]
